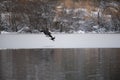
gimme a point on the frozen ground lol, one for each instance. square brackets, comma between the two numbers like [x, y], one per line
[27, 41]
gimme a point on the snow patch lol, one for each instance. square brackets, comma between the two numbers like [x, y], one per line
[4, 32]
[96, 26]
[80, 31]
[23, 30]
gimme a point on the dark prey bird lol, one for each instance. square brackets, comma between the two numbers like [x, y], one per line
[47, 33]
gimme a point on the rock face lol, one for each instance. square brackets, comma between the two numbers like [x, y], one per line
[60, 64]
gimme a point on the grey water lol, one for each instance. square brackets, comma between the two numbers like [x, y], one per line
[60, 64]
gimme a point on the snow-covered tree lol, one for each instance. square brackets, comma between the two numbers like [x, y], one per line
[61, 15]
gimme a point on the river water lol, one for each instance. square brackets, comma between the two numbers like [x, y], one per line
[60, 64]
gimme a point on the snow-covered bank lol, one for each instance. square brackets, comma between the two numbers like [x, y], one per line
[27, 41]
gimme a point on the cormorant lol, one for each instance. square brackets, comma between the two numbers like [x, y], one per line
[48, 33]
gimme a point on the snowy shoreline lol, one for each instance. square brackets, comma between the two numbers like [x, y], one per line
[33, 41]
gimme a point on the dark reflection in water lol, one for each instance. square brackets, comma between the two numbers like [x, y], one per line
[60, 64]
